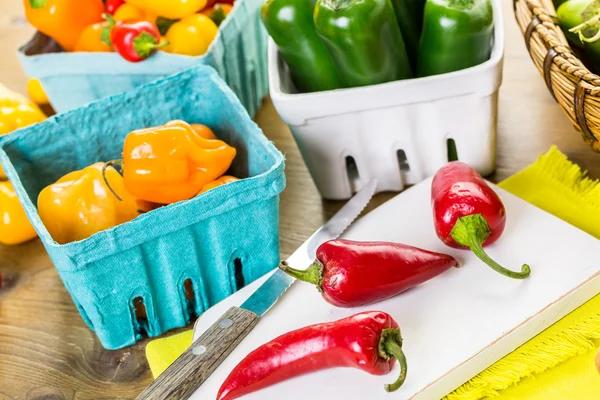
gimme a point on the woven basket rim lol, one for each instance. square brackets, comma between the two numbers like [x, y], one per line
[546, 16]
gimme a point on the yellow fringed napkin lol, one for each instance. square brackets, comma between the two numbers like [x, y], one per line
[559, 362]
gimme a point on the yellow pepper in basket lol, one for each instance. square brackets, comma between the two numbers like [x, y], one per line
[80, 204]
[16, 111]
[172, 9]
[192, 35]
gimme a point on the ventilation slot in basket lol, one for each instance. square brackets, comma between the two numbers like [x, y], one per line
[352, 171]
[452, 152]
[190, 299]
[141, 315]
[402, 161]
[240, 282]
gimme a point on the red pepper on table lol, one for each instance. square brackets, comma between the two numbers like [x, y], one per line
[468, 214]
[112, 5]
[369, 341]
[351, 274]
[134, 41]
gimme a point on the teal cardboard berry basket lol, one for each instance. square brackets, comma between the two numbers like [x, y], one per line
[179, 259]
[238, 53]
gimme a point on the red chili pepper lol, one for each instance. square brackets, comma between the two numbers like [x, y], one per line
[351, 274]
[112, 5]
[468, 214]
[134, 41]
[369, 341]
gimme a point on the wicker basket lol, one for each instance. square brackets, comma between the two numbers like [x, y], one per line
[574, 87]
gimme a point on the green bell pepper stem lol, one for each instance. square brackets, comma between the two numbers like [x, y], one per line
[291, 26]
[457, 34]
[364, 39]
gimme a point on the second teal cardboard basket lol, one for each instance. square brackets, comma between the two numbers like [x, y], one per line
[238, 53]
[215, 243]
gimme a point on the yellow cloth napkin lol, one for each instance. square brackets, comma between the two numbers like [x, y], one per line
[556, 364]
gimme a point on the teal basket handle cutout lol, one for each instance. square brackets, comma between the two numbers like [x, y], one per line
[237, 272]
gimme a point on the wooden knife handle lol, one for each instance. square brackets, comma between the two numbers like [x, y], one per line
[193, 367]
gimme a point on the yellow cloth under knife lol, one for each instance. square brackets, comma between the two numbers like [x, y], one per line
[558, 364]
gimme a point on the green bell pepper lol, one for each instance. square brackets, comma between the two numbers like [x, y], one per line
[291, 26]
[364, 39]
[457, 34]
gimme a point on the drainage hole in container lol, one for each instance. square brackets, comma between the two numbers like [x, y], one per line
[140, 314]
[190, 297]
[452, 151]
[240, 282]
[402, 161]
[353, 175]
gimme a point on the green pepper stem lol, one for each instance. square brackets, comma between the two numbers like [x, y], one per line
[472, 231]
[313, 274]
[461, 4]
[390, 346]
[104, 167]
[587, 24]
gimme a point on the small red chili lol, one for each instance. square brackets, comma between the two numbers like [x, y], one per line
[468, 214]
[369, 341]
[351, 274]
[134, 41]
[112, 5]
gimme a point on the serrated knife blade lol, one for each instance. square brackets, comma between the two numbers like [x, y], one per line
[204, 356]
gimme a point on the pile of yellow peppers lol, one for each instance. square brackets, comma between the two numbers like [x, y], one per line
[160, 165]
[189, 26]
[16, 112]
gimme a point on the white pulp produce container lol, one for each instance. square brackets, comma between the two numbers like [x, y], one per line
[398, 132]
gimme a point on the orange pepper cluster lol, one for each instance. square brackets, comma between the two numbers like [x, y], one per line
[185, 27]
[160, 165]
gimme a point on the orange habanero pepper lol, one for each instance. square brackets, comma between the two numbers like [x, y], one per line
[91, 38]
[171, 163]
[80, 204]
[15, 228]
[63, 20]
[224, 180]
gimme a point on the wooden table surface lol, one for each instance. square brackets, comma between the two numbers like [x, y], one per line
[46, 350]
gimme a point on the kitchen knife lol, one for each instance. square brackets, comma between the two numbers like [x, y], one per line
[203, 357]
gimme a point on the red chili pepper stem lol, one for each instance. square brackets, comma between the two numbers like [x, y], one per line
[313, 274]
[145, 44]
[472, 231]
[390, 346]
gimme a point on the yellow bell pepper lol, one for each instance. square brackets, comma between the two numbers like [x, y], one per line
[192, 35]
[172, 9]
[80, 204]
[16, 111]
[15, 228]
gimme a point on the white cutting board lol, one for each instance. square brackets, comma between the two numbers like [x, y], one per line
[453, 326]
